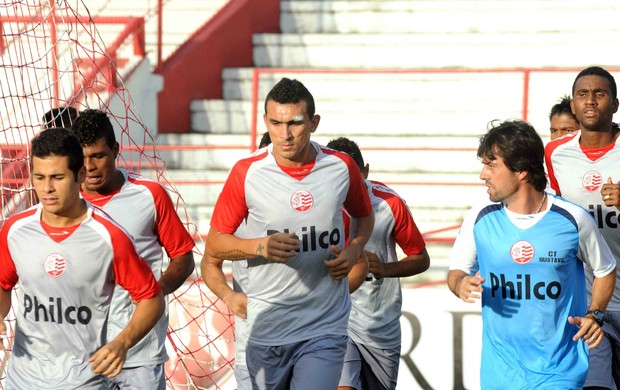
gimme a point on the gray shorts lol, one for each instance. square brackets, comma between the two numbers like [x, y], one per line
[370, 368]
[309, 364]
[242, 375]
[604, 368]
[150, 377]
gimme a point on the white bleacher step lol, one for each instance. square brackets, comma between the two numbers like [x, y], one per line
[375, 85]
[391, 118]
[467, 50]
[338, 16]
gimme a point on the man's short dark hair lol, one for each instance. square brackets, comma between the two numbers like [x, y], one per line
[598, 71]
[288, 91]
[522, 149]
[562, 108]
[343, 144]
[91, 126]
[62, 116]
[59, 141]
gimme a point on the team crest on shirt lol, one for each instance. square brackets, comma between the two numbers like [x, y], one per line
[522, 252]
[592, 181]
[302, 201]
[55, 265]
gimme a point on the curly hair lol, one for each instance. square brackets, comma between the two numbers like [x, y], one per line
[91, 126]
[58, 141]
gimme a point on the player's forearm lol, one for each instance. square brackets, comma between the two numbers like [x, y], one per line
[147, 313]
[358, 273]
[408, 266]
[602, 290]
[364, 230]
[179, 269]
[455, 277]
[230, 247]
[5, 303]
[213, 276]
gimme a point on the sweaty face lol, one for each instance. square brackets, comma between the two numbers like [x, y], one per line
[100, 164]
[562, 124]
[290, 127]
[501, 182]
[56, 186]
[593, 104]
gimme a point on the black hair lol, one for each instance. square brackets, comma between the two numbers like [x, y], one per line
[59, 141]
[265, 140]
[598, 71]
[562, 108]
[522, 149]
[343, 144]
[63, 116]
[91, 126]
[288, 91]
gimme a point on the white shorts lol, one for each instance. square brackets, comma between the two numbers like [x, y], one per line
[308, 364]
[370, 368]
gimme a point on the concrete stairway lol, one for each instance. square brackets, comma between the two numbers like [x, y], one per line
[410, 87]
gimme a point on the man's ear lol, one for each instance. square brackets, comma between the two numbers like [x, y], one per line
[315, 122]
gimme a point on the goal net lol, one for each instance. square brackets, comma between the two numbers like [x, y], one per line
[56, 54]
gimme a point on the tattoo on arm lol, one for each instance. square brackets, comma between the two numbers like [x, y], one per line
[234, 255]
[260, 249]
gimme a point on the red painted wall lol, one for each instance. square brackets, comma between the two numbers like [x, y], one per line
[194, 71]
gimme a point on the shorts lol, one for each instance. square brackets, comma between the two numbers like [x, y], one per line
[242, 375]
[310, 364]
[150, 377]
[367, 367]
[604, 368]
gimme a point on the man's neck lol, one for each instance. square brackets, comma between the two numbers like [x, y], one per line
[593, 139]
[72, 217]
[527, 201]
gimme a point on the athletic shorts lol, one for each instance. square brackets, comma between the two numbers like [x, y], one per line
[242, 375]
[605, 359]
[370, 368]
[310, 364]
[150, 377]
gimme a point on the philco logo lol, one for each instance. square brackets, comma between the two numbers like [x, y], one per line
[592, 181]
[522, 252]
[302, 201]
[56, 311]
[55, 265]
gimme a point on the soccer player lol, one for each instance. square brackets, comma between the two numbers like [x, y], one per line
[67, 256]
[373, 351]
[290, 197]
[523, 254]
[562, 121]
[235, 298]
[145, 210]
[584, 169]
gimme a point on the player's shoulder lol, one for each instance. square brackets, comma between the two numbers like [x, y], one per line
[20, 218]
[570, 210]
[101, 221]
[484, 208]
[566, 142]
[382, 190]
[139, 182]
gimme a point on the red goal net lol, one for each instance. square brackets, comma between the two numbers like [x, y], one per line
[58, 54]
